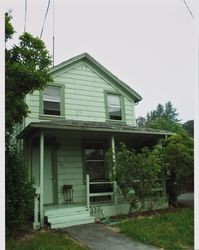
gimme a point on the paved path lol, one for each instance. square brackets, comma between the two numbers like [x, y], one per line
[186, 199]
[100, 237]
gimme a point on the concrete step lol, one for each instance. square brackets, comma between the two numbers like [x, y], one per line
[69, 218]
[66, 210]
[73, 223]
[67, 214]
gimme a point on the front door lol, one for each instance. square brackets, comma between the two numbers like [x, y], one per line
[49, 178]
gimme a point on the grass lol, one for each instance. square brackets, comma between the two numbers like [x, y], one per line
[44, 241]
[172, 230]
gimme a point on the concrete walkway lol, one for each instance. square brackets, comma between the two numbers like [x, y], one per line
[186, 199]
[100, 237]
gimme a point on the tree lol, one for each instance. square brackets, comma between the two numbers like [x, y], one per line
[189, 127]
[176, 155]
[26, 69]
[176, 152]
[134, 171]
[141, 122]
[168, 112]
[163, 117]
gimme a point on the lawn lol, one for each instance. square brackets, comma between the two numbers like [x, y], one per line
[44, 241]
[170, 230]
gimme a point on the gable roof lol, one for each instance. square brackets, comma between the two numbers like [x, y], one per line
[86, 57]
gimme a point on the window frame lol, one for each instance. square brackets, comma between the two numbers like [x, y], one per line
[85, 142]
[106, 93]
[62, 103]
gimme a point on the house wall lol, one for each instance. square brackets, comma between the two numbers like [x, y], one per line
[70, 169]
[84, 96]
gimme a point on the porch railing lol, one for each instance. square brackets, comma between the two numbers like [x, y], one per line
[111, 192]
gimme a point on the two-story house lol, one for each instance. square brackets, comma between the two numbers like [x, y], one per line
[85, 111]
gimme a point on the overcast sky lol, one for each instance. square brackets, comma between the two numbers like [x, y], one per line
[149, 44]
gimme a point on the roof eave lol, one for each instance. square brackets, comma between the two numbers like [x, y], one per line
[31, 126]
[135, 95]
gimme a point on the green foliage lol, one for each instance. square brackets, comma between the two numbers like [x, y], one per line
[189, 127]
[136, 171]
[169, 231]
[163, 118]
[141, 122]
[176, 153]
[167, 112]
[19, 191]
[166, 124]
[44, 241]
[9, 30]
[26, 69]
[177, 156]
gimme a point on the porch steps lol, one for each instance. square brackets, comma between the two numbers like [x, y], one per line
[66, 217]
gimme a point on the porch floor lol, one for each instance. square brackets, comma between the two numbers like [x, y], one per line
[49, 207]
[62, 206]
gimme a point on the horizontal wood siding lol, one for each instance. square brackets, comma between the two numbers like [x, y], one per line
[33, 103]
[69, 169]
[84, 96]
[130, 119]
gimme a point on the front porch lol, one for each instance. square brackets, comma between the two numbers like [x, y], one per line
[70, 214]
[74, 156]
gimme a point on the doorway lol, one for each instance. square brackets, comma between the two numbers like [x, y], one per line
[50, 179]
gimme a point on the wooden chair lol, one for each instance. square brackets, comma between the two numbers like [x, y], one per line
[68, 194]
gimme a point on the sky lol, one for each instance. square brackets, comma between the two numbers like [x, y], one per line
[148, 44]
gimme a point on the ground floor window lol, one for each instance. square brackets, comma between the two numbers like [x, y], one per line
[94, 160]
[94, 154]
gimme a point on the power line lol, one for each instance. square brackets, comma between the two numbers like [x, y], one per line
[25, 15]
[53, 32]
[190, 12]
[45, 18]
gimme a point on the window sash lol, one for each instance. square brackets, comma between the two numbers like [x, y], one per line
[52, 100]
[114, 108]
[52, 93]
[94, 160]
[113, 100]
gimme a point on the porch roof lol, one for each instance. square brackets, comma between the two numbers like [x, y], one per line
[114, 127]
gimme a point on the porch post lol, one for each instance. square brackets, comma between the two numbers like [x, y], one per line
[41, 179]
[88, 192]
[114, 170]
[28, 160]
[36, 224]
[113, 150]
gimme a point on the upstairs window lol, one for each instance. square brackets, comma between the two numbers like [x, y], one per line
[52, 101]
[114, 107]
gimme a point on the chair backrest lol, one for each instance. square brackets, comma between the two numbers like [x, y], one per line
[67, 187]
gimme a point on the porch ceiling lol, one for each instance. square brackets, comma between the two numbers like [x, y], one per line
[117, 128]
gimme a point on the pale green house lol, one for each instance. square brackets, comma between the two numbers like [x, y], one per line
[84, 112]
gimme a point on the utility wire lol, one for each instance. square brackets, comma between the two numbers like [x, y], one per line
[190, 12]
[25, 15]
[53, 32]
[45, 18]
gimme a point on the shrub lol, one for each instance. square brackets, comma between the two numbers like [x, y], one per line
[19, 190]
